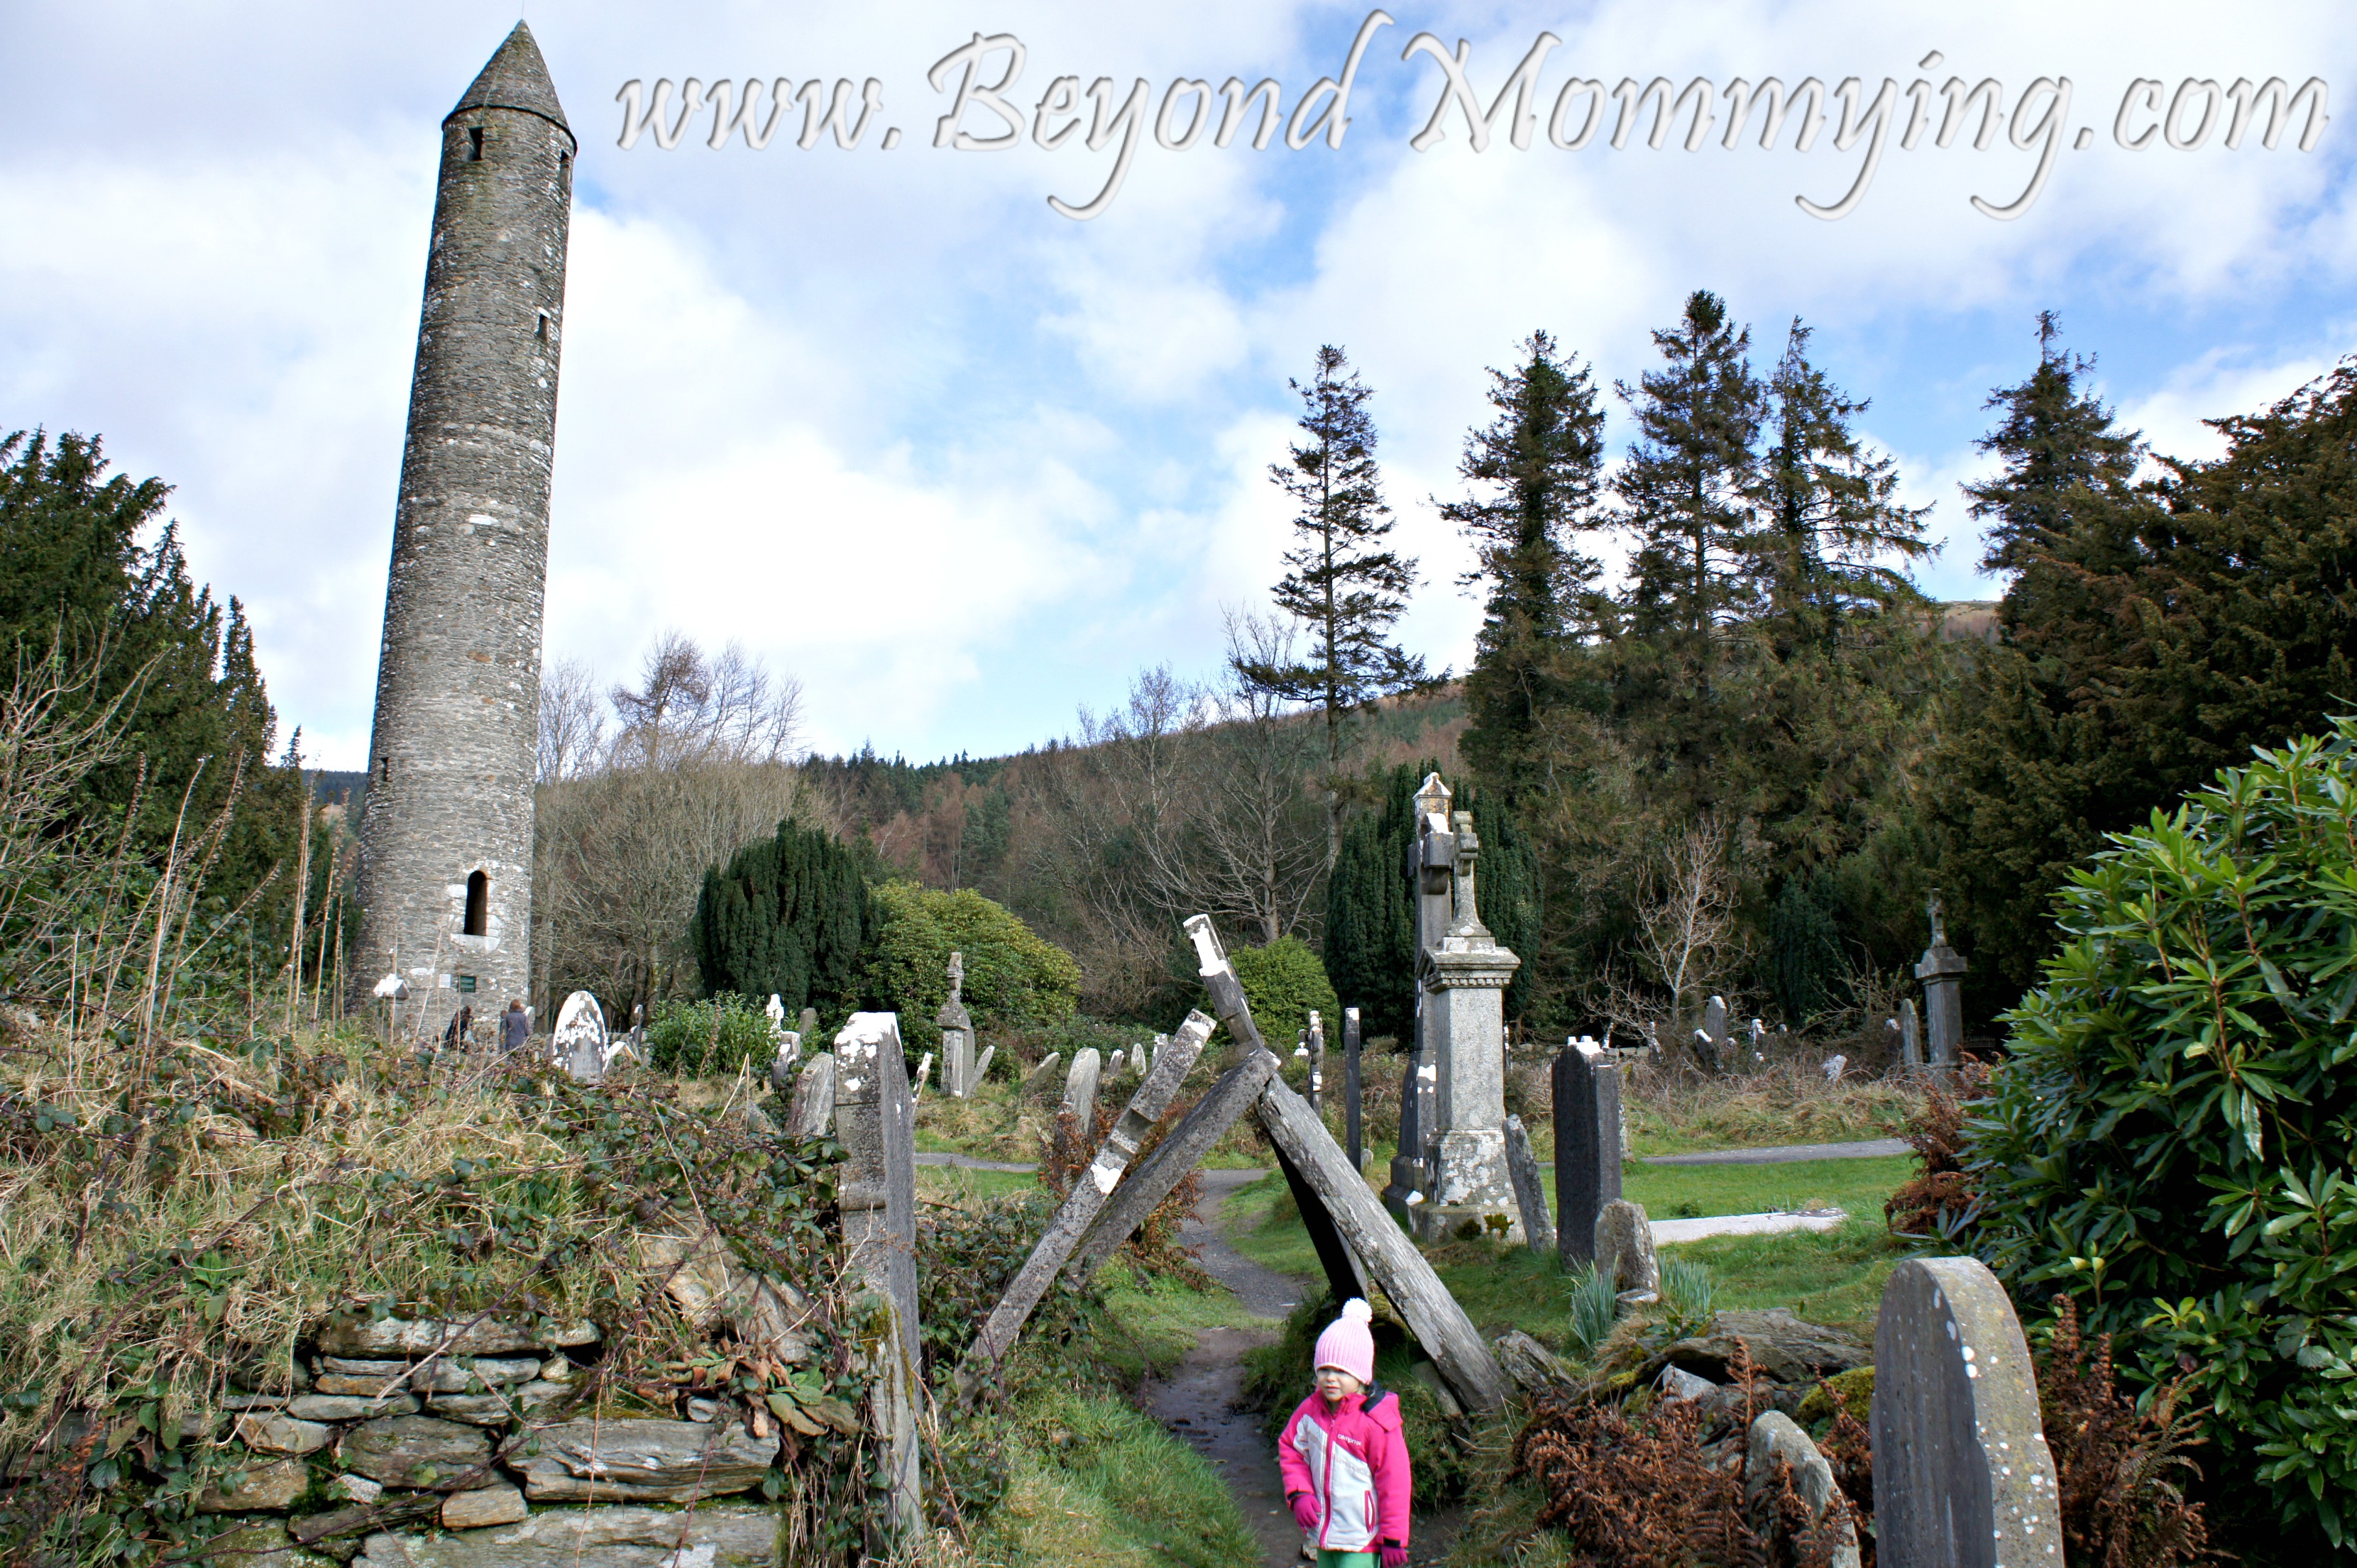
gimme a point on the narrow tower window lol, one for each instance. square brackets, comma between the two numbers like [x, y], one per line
[475, 145]
[479, 904]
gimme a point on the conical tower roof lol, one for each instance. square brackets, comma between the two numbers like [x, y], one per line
[516, 77]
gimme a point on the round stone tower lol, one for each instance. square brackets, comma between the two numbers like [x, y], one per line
[444, 883]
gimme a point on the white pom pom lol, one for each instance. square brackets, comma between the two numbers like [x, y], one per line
[1357, 1310]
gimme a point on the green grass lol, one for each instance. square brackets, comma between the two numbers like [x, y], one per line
[1096, 1484]
[1670, 1192]
[1833, 1277]
[953, 1184]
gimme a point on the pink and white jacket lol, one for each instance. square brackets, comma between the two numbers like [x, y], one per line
[1353, 1461]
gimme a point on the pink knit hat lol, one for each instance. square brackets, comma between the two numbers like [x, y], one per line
[1348, 1343]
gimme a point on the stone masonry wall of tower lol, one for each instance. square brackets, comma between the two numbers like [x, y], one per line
[458, 699]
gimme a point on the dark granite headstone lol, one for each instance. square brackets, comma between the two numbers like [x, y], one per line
[1587, 1148]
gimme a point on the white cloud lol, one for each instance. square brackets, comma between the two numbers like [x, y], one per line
[961, 463]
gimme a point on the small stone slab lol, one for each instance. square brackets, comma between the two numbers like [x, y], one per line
[441, 1376]
[390, 1336]
[1776, 1436]
[1962, 1473]
[645, 1461]
[281, 1433]
[716, 1535]
[812, 1112]
[1531, 1365]
[496, 1409]
[419, 1453]
[479, 1511]
[268, 1486]
[1784, 1348]
[347, 1407]
[1080, 1092]
[1530, 1189]
[252, 1543]
[1041, 1076]
[1624, 1248]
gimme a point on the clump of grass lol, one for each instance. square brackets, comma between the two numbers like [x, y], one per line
[1595, 1307]
[1686, 1289]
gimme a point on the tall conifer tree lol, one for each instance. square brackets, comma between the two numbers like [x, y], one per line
[1535, 471]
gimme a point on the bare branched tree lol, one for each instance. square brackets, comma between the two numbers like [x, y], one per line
[572, 722]
[1686, 936]
[693, 707]
[697, 767]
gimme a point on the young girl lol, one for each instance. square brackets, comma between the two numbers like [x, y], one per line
[1345, 1463]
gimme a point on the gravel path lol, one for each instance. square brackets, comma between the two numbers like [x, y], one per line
[1197, 1403]
[1873, 1148]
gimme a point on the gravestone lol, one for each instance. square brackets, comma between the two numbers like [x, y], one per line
[811, 1115]
[1835, 1066]
[1942, 969]
[1715, 1036]
[1962, 1477]
[1910, 1035]
[1463, 978]
[982, 1067]
[1316, 1063]
[1586, 1095]
[1082, 1205]
[1407, 1166]
[1114, 1065]
[1042, 1075]
[579, 1040]
[1624, 1250]
[1353, 1130]
[1081, 1093]
[924, 1072]
[781, 1067]
[807, 1024]
[1776, 1439]
[877, 1196]
[958, 1074]
[1529, 1190]
[777, 1012]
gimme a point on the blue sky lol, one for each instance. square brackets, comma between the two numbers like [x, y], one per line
[963, 464]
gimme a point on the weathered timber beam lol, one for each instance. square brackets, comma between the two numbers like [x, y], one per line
[1391, 1257]
[1082, 1204]
[1227, 1103]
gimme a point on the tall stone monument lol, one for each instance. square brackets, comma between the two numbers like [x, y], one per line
[1462, 972]
[957, 1035]
[445, 881]
[1942, 969]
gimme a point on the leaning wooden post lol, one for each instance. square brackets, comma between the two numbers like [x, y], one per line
[876, 1121]
[1081, 1206]
[1181, 1151]
[1432, 1315]
[1353, 1139]
[1229, 1100]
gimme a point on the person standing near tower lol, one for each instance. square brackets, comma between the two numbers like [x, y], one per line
[445, 877]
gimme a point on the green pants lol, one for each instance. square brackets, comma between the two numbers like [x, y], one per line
[1345, 1559]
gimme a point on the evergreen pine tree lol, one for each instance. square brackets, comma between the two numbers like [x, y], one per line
[1689, 499]
[1340, 581]
[2062, 455]
[786, 917]
[1535, 471]
[74, 573]
[1835, 537]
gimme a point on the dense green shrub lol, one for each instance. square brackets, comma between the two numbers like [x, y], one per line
[1283, 982]
[2170, 1141]
[1370, 941]
[1013, 977]
[787, 918]
[713, 1037]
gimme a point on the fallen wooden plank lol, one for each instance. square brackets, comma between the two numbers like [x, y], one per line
[1082, 1205]
[1391, 1257]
